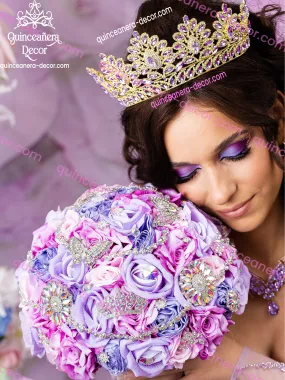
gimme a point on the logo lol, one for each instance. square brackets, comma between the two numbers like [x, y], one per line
[30, 21]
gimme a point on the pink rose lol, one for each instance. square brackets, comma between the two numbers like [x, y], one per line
[72, 355]
[30, 286]
[179, 356]
[175, 252]
[10, 358]
[105, 274]
[88, 232]
[43, 238]
[213, 323]
[71, 221]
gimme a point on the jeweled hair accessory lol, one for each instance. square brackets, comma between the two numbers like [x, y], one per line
[124, 278]
[156, 67]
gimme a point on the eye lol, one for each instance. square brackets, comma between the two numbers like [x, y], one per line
[187, 178]
[236, 151]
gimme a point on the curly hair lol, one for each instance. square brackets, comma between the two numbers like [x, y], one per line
[246, 96]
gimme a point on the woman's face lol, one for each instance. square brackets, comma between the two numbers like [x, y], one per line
[233, 179]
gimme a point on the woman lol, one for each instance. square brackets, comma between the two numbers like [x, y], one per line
[223, 172]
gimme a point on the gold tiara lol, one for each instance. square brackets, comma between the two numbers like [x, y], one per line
[152, 71]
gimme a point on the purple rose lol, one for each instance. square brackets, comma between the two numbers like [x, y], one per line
[221, 298]
[94, 210]
[85, 312]
[41, 264]
[61, 268]
[145, 276]
[116, 363]
[127, 214]
[205, 229]
[171, 310]
[143, 236]
[148, 358]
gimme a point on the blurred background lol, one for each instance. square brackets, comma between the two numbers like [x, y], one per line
[62, 116]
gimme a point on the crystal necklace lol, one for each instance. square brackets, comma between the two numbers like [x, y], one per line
[267, 290]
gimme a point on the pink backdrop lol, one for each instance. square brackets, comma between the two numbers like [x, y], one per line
[63, 115]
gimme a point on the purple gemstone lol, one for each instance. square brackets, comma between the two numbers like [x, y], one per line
[181, 77]
[209, 64]
[217, 61]
[200, 69]
[224, 8]
[189, 73]
[217, 25]
[221, 16]
[272, 308]
[238, 50]
[225, 57]
[179, 66]
[182, 28]
[172, 81]
[186, 19]
[230, 31]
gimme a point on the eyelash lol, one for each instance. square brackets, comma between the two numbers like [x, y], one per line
[238, 157]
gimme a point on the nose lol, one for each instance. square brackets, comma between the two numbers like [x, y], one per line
[222, 187]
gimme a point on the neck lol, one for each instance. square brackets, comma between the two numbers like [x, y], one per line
[265, 243]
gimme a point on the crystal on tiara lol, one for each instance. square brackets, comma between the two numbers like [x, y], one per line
[153, 67]
[121, 304]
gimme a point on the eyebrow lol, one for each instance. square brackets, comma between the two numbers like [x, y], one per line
[218, 149]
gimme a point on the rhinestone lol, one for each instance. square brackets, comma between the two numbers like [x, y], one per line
[103, 357]
[217, 25]
[182, 28]
[186, 19]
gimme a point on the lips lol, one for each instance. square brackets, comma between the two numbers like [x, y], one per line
[237, 211]
[226, 211]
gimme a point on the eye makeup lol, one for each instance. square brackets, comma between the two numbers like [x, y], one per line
[233, 152]
[236, 149]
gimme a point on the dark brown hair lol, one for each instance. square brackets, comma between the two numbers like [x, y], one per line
[246, 95]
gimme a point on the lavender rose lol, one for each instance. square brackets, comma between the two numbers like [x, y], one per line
[41, 264]
[61, 268]
[221, 299]
[148, 358]
[205, 229]
[143, 237]
[116, 364]
[146, 277]
[85, 312]
[127, 214]
[171, 310]
[94, 210]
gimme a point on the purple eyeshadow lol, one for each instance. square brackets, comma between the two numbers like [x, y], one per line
[185, 171]
[235, 149]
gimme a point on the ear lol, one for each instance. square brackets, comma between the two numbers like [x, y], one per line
[277, 112]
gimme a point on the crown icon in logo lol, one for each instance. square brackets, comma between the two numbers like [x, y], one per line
[34, 17]
[156, 67]
[121, 304]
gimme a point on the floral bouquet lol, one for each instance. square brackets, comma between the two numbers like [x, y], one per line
[12, 349]
[129, 278]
